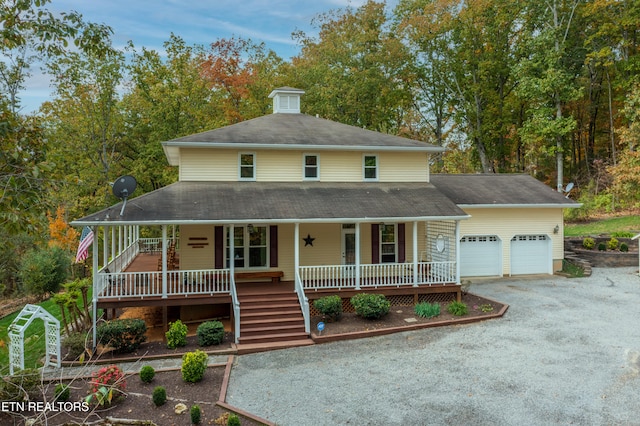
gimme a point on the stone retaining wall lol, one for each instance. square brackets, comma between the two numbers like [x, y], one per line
[604, 259]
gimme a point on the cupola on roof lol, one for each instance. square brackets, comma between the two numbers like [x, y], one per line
[286, 100]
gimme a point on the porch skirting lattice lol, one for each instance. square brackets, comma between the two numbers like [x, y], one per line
[395, 300]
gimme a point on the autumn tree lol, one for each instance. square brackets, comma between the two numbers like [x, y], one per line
[60, 233]
[240, 75]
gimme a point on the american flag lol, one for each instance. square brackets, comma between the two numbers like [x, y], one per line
[85, 242]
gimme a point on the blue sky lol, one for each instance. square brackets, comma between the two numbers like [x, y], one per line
[149, 23]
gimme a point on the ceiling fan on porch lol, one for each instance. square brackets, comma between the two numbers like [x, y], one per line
[122, 188]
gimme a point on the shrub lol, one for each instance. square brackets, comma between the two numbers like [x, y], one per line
[427, 310]
[210, 333]
[622, 234]
[612, 244]
[624, 247]
[194, 365]
[159, 396]
[177, 335]
[588, 243]
[147, 373]
[24, 385]
[44, 270]
[195, 415]
[107, 385]
[123, 335]
[233, 420]
[457, 308]
[74, 343]
[62, 392]
[602, 247]
[370, 306]
[329, 306]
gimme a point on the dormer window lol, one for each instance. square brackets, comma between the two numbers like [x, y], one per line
[370, 167]
[247, 169]
[286, 100]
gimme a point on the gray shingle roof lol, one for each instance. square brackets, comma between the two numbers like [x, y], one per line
[300, 129]
[225, 202]
[499, 190]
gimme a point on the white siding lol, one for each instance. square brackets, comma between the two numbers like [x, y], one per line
[200, 164]
[196, 252]
[506, 223]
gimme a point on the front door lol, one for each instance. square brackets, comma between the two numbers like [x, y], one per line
[349, 244]
[349, 251]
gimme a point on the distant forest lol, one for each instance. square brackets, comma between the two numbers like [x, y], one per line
[545, 87]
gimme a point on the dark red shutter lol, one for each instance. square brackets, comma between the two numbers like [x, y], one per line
[273, 246]
[375, 243]
[401, 243]
[219, 247]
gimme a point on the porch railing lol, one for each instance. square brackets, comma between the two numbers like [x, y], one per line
[304, 303]
[116, 285]
[377, 275]
[236, 307]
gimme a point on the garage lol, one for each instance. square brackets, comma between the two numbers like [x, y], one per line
[530, 254]
[480, 256]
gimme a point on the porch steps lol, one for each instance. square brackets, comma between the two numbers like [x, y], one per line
[271, 316]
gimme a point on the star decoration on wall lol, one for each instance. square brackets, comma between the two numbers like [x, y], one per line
[308, 241]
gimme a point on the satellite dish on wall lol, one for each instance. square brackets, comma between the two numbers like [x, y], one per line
[123, 187]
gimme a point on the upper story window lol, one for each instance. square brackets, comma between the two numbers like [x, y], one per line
[370, 167]
[388, 243]
[247, 166]
[311, 167]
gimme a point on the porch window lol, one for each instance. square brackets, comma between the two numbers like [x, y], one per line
[250, 247]
[311, 167]
[370, 167]
[247, 166]
[388, 243]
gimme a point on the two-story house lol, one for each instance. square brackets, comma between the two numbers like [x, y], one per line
[271, 213]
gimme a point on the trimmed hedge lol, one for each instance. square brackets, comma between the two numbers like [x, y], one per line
[123, 335]
[370, 306]
[210, 333]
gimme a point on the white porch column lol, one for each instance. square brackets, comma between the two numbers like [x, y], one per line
[457, 252]
[105, 247]
[357, 236]
[232, 251]
[296, 249]
[113, 242]
[119, 239]
[94, 297]
[164, 261]
[415, 254]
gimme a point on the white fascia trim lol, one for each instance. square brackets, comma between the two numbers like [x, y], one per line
[301, 147]
[272, 221]
[519, 206]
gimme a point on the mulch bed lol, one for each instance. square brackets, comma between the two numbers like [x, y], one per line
[138, 403]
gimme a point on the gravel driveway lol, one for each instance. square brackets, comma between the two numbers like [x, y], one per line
[566, 352]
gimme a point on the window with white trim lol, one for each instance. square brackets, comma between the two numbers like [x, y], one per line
[250, 247]
[311, 167]
[247, 166]
[370, 167]
[388, 243]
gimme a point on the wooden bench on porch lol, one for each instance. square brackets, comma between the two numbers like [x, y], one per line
[254, 275]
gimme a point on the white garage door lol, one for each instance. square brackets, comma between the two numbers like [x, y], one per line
[480, 256]
[530, 254]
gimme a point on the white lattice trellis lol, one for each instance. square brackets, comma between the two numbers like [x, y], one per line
[16, 335]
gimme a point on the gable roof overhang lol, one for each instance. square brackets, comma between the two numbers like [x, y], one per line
[294, 132]
[184, 203]
[499, 191]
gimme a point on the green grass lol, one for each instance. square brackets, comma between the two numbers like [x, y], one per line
[604, 226]
[34, 337]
